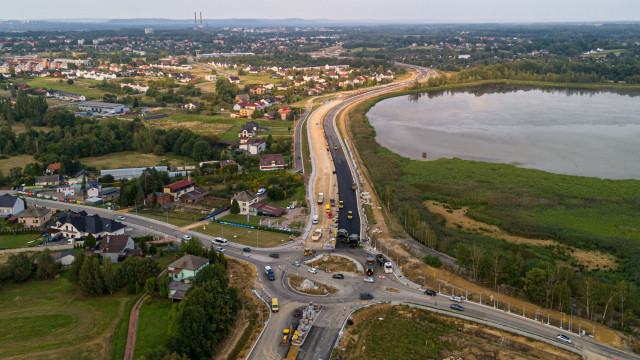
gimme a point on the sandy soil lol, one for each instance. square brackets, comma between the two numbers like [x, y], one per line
[325, 181]
[457, 218]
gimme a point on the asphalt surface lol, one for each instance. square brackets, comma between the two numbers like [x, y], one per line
[298, 163]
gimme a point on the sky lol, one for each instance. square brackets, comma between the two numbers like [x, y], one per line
[389, 10]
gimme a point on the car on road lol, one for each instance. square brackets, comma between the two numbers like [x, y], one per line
[430, 292]
[338, 276]
[368, 279]
[341, 204]
[455, 298]
[330, 215]
[313, 270]
[274, 255]
[220, 249]
[296, 263]
[298, 157]
[122, 218]
[457, 307]
[564, 338]
[350, 215]
[247, 249]
[366, 296]
[261, 191]
[335, 147]
[186, 237]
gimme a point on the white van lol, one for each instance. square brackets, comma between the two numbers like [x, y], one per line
[315, 219]
[220, 241]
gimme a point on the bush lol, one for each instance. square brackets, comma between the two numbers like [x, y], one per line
[432, 260]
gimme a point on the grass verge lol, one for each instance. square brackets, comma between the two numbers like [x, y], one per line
[322, 289]
[334, 263]
[153, 325]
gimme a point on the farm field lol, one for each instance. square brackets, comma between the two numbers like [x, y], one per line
[80, 87]
[126, 159]
[15, 161]
[43, 320]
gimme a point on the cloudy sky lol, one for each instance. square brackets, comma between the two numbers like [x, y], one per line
[429, 10]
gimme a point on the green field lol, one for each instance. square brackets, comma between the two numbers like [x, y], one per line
[120, 332]
[16, 241]
[44, 319]
[15, 161]
[153, 325]
[127, 159]
[80, 87]
[249, 237]
[178, 218]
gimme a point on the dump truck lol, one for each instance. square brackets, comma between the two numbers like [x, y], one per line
[269, 273]
[342, 235]
[354, 240]
[320, 198]
[316, 235]
[381, 259]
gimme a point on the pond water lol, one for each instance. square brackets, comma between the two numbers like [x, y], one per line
[576, 132]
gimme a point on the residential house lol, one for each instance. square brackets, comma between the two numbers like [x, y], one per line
[245, 199]
[271, 162]
[47, 180]
[181, 272]
[179, 188]
[260, 208]
[117, 247]
[234, 79]
[244, 98]
[191, 105]
[194, 196]
[248, 130]
[239, 106]
[10, 205]
[53, 168]
[76, 225]
[254, 146]
[162, 199]
[210, 77]
[65, 258]
[34, 217]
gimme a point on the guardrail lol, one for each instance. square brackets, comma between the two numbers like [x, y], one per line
[265, 324]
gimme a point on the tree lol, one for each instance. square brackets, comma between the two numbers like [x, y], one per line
[19, 267]
[163, 286]
[255, 114]
[46, 266]
[91, 282]
[136, 103]
[534, 285]
[76, 266]
[108, 179]
[235, 207]
[201, 151]
[90, 241]
[70, 81]
[463, 256]
[150, 286]
[110, 277]
[84, 180]
[193, 246]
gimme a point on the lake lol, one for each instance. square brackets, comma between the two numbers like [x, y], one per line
[575, 132]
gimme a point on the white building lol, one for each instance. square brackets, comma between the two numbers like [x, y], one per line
[10, 205]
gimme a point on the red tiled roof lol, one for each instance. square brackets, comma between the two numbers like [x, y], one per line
[180, 184]
[53, 167]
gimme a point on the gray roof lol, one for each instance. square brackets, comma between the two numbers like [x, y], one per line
[71, 252]
[114, 243]
[7, 200]
[48, 179]
[189, 262]
[89, 223]
[245, 195]
[179, 285]
[34, 211]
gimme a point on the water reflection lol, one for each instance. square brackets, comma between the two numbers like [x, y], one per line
[571, 131]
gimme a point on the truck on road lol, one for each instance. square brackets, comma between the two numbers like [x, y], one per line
[316, 235]
[269, 273]
[320, 198]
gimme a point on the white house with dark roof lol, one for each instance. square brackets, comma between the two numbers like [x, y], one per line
[10, 205]
[117, 247]
[78, 224]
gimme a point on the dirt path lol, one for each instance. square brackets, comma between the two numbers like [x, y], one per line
[133, 328]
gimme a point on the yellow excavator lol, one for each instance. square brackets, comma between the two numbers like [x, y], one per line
[309, 252]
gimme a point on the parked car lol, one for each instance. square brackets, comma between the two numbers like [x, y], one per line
[338, 276]
[247, 249]
[274, 255]
[564, 338]
[457, 307]
[368, 279]
[296, 263]
[455, 298]
[430, 292]
[366, 296]
[261, 191]
[220, 249]
[313, 270]
[350, 215]
[121, 218]
[186, 237]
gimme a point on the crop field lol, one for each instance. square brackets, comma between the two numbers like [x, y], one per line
[44, 319]
[80, 87]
